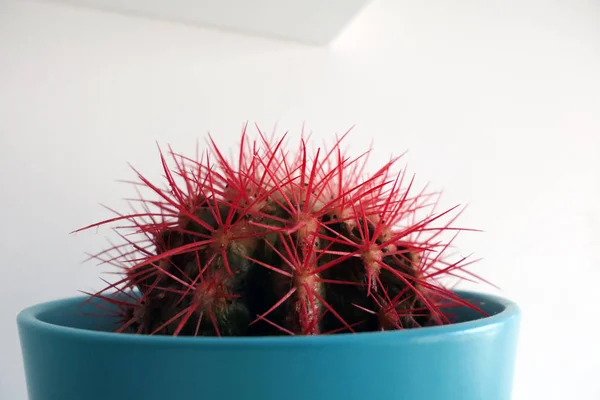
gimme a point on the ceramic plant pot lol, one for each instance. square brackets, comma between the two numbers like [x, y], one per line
[68, 357]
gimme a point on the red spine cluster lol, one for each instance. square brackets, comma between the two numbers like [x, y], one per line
[292, 241]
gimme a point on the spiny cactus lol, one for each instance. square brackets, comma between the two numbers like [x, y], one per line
[275, 242]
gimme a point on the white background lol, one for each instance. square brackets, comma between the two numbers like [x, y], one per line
[498, 103]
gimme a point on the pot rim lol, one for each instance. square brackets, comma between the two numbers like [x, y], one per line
[29, 319]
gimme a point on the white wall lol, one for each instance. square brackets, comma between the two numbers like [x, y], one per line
[497, 103]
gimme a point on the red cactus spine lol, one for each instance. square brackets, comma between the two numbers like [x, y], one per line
[281, 243]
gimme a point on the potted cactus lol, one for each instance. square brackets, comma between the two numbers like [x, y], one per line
[276, 274]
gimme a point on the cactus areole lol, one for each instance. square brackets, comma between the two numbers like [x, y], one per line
[281, 241]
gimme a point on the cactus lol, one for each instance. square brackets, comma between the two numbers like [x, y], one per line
[273, 242]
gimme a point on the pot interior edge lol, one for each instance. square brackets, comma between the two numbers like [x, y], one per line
[78, 316]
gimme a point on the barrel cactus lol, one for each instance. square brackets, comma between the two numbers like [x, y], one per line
[275, 241]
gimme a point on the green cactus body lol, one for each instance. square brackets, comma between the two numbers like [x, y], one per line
[281, 244]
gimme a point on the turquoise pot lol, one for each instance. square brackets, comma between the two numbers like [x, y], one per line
[67, 358]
